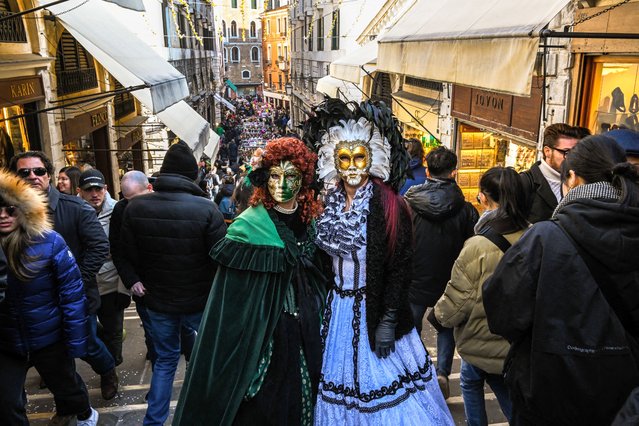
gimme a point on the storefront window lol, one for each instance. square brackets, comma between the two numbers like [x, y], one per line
[479, 150]
[79, 152]
[13, 134]
[615, 96]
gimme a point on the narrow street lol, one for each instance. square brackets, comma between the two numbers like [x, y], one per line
[127, 409]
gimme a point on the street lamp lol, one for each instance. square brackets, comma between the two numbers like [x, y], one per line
[288, 87]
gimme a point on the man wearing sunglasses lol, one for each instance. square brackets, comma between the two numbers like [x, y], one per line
[542, 181]
[77, 222]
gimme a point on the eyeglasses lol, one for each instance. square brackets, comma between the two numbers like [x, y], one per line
[9, 210]
[38, 171]
[563, 151]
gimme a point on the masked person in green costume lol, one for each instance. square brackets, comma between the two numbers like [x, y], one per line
[257, 358]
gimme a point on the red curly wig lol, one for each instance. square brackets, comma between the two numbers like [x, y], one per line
[293, 150]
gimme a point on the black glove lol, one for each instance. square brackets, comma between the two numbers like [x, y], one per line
[385, 334]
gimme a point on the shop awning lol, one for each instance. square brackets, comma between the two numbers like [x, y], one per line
[330, 85]
[224, 101]
[348, 67]
[490, 45]
[231, 86]
[97, 28]
[189, 126]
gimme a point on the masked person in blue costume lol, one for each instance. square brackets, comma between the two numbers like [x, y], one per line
[375, 370]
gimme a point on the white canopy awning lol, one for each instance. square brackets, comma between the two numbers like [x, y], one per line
[490, 44]
[329, 85]
[225, 102]
[132, 62]
[348, 67]
[122, 53]
[189, 126]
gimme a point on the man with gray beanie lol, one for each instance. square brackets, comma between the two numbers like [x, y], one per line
[166, 235]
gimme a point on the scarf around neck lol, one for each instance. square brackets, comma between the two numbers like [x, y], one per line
[593, 191]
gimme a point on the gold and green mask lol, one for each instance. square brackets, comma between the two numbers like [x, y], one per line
[284, 182]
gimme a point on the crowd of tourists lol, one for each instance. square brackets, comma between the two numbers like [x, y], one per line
[296, 286]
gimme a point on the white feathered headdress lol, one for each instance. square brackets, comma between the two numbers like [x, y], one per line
[348, 131]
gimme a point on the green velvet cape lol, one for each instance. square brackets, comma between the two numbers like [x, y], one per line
[256, 263]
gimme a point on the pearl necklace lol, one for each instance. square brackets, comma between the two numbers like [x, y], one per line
[285, 210]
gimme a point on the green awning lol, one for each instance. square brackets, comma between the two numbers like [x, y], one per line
[231, 86]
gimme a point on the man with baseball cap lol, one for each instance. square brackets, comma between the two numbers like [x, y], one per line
[114, 297]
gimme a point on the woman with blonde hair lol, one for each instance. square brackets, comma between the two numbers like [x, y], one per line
[43, 319]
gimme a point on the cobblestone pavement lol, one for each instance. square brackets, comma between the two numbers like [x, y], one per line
[135, 374]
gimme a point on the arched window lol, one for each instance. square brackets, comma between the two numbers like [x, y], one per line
[224, 29]
[235, 54]
[268, 26]
[233, 29]
[255, 54]
[74, 66]
[246, 74]
[226, 55]
[252, 30]
[279, 27]
[279, 51]
[268, 52]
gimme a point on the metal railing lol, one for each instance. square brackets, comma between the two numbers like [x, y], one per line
[72, 81]
[124, 108]
[12, 30]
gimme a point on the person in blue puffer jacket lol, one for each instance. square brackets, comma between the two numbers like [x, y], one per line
[43, 319]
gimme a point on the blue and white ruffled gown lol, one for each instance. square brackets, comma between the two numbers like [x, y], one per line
[357, 387]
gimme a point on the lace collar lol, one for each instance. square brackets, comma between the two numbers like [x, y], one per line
[341, 232]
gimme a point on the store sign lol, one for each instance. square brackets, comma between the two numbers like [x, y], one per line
[20, 91]
[515, 115]
[130, 139]
[84, 124]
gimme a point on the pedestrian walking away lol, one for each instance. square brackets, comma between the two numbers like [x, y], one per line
[442, 221]
[166, 236]
[566, 296]
[461, 305]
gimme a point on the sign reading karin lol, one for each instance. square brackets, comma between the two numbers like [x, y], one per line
[20, 90]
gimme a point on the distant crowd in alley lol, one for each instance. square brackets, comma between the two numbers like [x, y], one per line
[507, 289]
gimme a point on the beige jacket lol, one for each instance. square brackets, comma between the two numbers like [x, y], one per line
[461, 305]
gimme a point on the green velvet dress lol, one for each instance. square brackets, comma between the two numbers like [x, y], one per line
[257, 358]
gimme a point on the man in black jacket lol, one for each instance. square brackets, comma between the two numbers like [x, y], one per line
[167, 236]
[77, 222]
[542, 181]
[442, 221]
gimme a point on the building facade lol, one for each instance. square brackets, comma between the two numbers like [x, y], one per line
[56, 97]
[242, 46]
[276, 53]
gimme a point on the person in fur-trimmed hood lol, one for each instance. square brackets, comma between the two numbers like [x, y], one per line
[43, 320]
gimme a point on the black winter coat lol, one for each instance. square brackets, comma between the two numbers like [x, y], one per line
[78, 224]
[571, 361]
[541, 201]
[387, 274]
[167, 236]
[442, 221]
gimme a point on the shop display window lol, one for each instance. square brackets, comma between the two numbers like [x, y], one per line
[79, 152]
[479, 150]
[614, 100]
[14, 137]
